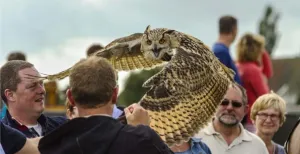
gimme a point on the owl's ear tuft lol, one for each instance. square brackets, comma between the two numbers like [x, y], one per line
[147, 30]
[170, 31]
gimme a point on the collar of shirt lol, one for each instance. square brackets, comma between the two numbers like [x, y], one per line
[16, 124]
[195, 147]
[116, 112]
[244, 136]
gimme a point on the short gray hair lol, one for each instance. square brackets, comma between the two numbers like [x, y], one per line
[243, 91]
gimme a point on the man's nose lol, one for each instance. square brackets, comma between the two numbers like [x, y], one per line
[268, 119]
[229, 107]
[41, 89]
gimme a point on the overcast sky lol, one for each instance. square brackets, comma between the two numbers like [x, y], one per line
[55, 33]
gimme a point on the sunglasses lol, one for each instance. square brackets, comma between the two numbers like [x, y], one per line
[235, 104]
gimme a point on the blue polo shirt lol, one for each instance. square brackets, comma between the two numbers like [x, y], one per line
[222, 52]
[196, 146]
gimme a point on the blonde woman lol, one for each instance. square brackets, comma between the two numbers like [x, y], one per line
[250, 48]
[268, 114]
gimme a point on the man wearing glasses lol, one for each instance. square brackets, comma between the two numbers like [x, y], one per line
[226, 134]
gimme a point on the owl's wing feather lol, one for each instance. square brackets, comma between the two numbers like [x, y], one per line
[125, 54]
[183, 97]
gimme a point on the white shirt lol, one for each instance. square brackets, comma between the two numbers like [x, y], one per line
[37, 128]
[116, 112]
[245, 143]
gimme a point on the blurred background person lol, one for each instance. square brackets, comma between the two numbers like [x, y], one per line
[16, 55]
[266, 62]
[227, 33]
[268, 114]
[93, 48]
[249, 53]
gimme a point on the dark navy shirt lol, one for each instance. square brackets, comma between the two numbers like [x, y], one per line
[12, 140]
[48, 124]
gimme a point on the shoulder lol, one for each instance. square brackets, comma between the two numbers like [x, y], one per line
[142, 137]
[11, 139]
[220, 48]
[280, 148]
[4, 120]
[139, 131]
[255, 142]
[255, 139]
[249, 67]
[202, 145]
[57, 119]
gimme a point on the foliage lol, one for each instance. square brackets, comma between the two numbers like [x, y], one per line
[268, 28]
[133, 90]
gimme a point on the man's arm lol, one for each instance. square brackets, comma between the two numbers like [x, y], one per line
[30, 147]
[267, 65]
[137, 115]
[11, 139]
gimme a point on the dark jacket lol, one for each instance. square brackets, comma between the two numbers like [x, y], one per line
[11, 140]
[48, 124]
[102, 135]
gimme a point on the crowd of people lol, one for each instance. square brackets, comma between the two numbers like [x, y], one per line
[245, 120]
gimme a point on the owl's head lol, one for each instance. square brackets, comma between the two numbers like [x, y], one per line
[157, 44]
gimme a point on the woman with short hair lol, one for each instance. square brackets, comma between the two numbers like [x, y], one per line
[268, 115]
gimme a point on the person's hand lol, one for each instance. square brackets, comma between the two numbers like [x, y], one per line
[136, 115]
[35, 141]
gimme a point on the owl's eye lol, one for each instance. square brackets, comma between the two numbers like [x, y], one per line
[162, 41]
[149, 42]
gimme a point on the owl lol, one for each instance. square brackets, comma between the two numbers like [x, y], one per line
[184, 95]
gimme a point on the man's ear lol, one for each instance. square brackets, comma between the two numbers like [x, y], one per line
[115, 95]
[246, 109]
[9, 94]
[70, 97]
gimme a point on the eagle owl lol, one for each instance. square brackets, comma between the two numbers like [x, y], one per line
[184, 95]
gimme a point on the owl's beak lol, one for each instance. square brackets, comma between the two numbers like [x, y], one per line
[156, 51]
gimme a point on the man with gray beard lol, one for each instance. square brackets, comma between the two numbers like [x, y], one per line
[225, 134]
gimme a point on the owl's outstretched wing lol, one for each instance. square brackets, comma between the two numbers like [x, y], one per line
[125, 54]
[183, 96]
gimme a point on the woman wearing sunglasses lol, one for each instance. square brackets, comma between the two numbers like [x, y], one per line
[268, 114]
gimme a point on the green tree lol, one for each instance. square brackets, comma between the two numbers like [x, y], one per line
[268, 28]
[133, 90]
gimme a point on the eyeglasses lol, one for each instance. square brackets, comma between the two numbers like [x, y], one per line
[235, 104]
[264, 116]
